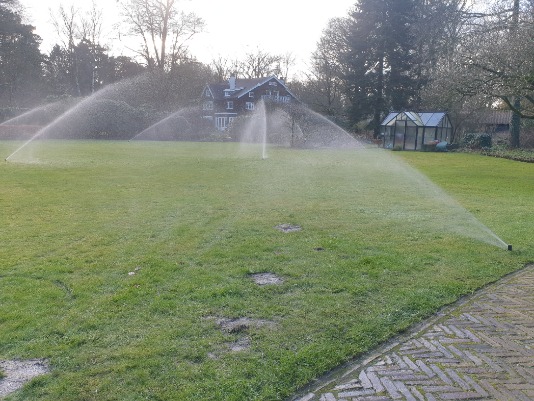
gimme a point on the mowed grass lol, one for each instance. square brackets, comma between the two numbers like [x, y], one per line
[119, 258]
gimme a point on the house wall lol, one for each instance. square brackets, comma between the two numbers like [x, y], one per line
[220, 113]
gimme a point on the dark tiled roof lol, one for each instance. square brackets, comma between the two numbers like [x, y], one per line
[242, 86]
[496, 117]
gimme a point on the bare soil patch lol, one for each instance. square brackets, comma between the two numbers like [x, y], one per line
[288, 228]
[267, 279]
[17, 373]
[242, 324]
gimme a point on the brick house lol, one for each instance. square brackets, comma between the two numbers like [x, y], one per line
[224, 102]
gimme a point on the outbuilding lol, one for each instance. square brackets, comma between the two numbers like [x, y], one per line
[409, 130]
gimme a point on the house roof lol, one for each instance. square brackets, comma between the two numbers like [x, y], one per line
[496, 117]
[243, 86]
[431, 119]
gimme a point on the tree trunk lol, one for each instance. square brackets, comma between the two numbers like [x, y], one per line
[379, 104]
[515, 130]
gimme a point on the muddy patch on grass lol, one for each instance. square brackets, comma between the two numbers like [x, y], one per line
[239, 328]
[267, 279]
[241, 344]
[241, 324]
[17, 373]
[288, 228]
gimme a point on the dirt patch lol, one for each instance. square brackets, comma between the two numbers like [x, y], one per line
[17, 373]
[288, 228]
[267, 279]
[239, 328]
[242, 344]
[241, 324]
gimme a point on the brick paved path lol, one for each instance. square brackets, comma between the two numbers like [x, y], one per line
[480, 349]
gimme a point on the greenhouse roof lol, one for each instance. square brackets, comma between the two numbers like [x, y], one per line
[420, 119]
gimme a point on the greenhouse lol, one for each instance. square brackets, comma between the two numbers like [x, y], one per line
[415, 131]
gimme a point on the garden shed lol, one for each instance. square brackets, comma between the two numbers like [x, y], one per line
[410, 130]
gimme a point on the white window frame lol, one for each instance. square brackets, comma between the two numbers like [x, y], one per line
[249, 105]
[251, 94]
[221, 123]
[230, 105]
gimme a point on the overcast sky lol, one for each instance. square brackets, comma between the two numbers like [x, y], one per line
[233, 27]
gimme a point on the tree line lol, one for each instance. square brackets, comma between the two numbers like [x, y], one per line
[385, 55]
[427, 55]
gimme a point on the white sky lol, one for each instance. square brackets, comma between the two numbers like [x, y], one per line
[233, 27]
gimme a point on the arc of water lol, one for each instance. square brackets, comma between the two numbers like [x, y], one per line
[154, 126]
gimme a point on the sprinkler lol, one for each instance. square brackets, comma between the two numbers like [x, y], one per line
[509, 247]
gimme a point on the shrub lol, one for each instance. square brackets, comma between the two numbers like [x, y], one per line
[522, 155]
[477, 141]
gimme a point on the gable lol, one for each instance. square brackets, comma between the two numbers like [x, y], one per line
[432, 119]
[243, 86]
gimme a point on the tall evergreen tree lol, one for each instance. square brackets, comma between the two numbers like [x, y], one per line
[379, 59]
[20, 59]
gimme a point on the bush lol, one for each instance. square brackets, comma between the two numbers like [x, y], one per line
[99, 119]
[477, 141]
[522, 155]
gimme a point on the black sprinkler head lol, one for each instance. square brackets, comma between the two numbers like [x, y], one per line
[509, 247]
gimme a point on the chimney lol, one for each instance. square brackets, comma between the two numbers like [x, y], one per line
[231, 81]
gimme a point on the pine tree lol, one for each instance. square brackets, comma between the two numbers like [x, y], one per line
[379, 59]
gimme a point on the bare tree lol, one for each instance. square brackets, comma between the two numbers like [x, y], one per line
[91, 24]
[260, 64]
[67, 28]
[91, 30]
[324, 82]
[285, 63]
[223, 67]
[164, 30]
[494, 62]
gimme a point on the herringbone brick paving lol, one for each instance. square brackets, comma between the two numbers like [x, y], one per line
[481, 349]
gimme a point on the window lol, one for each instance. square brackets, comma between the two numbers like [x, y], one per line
[207, 93]
[249, 105]
[221, 123]
[273, 83]
[251, 94]
[207, 105]
[227, 93]
[229, 105]
[268, 92]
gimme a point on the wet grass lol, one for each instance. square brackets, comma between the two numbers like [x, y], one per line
[119, 258]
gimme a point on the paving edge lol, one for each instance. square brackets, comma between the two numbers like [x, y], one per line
[307, 392]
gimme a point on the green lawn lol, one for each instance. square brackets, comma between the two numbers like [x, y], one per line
[119, 259]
